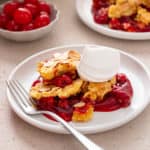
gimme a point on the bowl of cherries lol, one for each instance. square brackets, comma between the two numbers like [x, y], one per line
[27, 20]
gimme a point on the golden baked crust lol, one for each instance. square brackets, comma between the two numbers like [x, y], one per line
[96, 91]
[127, 8]
[83, 117]
[143, 15]
[122, 8]
[146, 3]
[40, 90]
[59, 65]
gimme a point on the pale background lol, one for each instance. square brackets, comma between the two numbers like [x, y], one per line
[15, 134]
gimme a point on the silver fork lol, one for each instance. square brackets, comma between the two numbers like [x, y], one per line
[27, 104]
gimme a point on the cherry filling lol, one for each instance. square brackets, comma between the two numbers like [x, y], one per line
[97, 4]
[100, 16]
[62, 107]
[62, 81]
[119, 97]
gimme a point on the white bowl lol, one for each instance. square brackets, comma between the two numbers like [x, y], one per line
[24, 36]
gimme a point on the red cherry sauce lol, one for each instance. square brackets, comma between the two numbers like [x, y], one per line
[63, 107]
[119, 97]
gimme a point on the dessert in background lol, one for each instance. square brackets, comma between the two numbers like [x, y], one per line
[126, 15]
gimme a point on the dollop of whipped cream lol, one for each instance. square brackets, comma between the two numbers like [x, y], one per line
[98, 64]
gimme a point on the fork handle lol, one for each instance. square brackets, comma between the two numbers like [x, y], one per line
[87, 143]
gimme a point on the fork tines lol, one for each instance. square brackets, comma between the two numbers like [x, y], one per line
[19, 93]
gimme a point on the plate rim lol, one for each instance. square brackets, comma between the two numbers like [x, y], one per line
[111, 32]
[59, 128]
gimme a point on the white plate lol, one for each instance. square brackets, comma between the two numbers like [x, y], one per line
[138, 74]
[83, 8]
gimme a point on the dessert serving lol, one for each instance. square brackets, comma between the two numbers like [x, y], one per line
[126, 15]
[60, 89]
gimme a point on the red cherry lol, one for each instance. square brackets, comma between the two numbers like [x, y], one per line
[74, 99]
[132, 29]
[43, 6]
[33, 8]
[43, 13]
[27, 27]
[121, 78]
[129, 27]
[41, 21]
[101, 17]
[47, 103]
[3, 20]
[22, 16]
[145, 29]
[62, 81]
[100, 3]
[67, 116]
[141, 26]
[31, 1]
[126, 25]
[12, 26]
[67, 79]
[10, 7]
[63, 103]
[115, 24]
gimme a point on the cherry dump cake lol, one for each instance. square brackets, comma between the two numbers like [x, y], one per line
[126, 15]
[60, 89]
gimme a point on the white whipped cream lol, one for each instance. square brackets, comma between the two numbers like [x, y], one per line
[99, 64]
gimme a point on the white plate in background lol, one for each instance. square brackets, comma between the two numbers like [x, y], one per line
[83, 8]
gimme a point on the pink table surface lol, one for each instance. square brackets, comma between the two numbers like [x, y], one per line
[15, 134]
